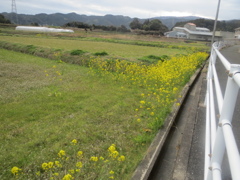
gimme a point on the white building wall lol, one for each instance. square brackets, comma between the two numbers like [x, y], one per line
[237, 33]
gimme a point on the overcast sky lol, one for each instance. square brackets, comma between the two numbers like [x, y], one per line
[229, 9]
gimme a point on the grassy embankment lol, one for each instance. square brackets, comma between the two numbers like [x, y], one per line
[47, 104]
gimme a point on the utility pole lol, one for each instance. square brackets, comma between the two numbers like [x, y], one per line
[215, 23]
[14, 12]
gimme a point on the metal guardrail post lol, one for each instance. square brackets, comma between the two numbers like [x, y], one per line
[224, 134]
[207, 132]
[232, 150]
[212, 110]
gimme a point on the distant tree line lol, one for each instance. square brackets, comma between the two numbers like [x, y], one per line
[148, 25]
[4, 20]
[86, 26]
[207, 23]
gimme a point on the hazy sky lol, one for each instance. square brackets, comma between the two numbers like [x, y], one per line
[229, 9]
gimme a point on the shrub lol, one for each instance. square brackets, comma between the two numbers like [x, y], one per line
[77, 52]
[103, 53]
[150, 59]
[30, 49]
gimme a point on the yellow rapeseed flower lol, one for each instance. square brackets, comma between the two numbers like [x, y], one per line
[74, 142]
[80, 154]
[94, 158]
[121, 158]
[44, 166]
[79, 164]
[67, 177]
[175, 89]
[15, 170]
[152, 113]
[61, 153]
[58, 164]
[142, 102]
[112, 148]
[114, 154]
[50, 165]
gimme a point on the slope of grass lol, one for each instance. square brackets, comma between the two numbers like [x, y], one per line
[42, 111]
[109, 111]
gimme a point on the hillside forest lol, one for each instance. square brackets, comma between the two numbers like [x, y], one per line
[117, 23]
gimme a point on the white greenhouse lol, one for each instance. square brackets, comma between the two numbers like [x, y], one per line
[42, 29]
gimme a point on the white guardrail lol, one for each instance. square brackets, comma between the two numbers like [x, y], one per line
[219, 134]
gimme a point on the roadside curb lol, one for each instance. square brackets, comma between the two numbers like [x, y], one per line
[144, 169]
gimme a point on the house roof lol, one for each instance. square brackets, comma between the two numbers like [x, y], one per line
[192, 24]
[194, 32]
[202, 29]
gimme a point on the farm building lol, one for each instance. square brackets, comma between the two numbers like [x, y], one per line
[225, 34]
[237, 33]
[42, 29]
[190, 31]
[176, 34]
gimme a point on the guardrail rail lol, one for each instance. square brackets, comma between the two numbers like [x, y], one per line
[219, 134]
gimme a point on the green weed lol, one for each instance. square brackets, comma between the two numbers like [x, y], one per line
[153, 58]
[103, 53]
[77, 52]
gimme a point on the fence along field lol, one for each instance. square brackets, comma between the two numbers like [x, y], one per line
[63, 121]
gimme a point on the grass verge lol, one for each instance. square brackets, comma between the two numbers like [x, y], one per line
[46, 104]
[51, 111]
[92, 122]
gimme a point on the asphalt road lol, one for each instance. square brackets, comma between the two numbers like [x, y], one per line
[182, 157]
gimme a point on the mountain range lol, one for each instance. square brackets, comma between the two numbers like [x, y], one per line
[59, 19]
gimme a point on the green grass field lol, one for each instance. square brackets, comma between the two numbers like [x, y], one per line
[48, 106]
[35, 123]
[125, 45]
[114, 49]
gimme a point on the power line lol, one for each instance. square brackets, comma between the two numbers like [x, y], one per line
[14, 12]
[215, 22]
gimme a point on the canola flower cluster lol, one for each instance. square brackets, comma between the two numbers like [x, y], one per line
[160, 84]
[15, 170]
[74, 166]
